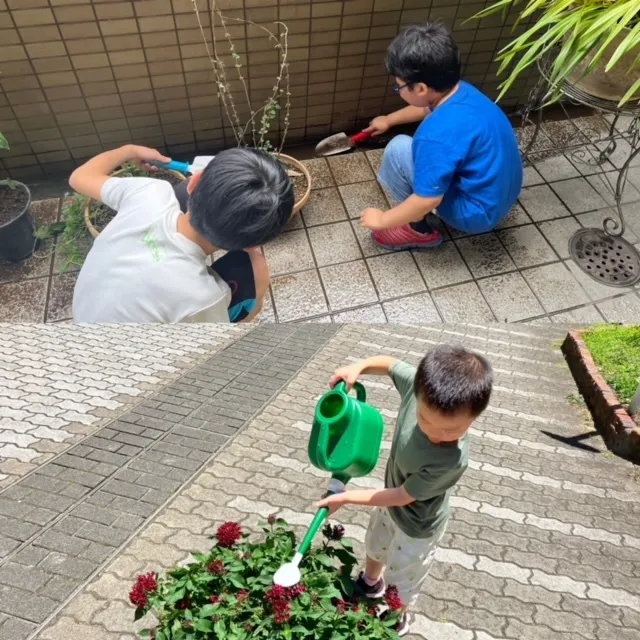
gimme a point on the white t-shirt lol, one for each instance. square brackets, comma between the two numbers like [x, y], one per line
[140, 269]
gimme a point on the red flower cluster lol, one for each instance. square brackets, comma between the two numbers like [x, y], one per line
[228, 534]
[296, 591]
[214, 599]
[342, 606]
[145, 584]
[392, 598]
[279, 597]
[333, 533]
[242, 595]
[217, 567]
[185, 603]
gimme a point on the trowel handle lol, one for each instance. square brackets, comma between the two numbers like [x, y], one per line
[314, 527]
[174, 165]
[361, 137]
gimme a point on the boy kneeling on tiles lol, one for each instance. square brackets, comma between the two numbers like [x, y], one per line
[463, 162]
[440, 399]
[149, 264]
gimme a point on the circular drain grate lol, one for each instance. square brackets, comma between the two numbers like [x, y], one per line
[611, 261]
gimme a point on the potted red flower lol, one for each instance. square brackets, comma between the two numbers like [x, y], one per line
[229, 592]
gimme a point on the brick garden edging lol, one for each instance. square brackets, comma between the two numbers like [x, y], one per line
[614, 423]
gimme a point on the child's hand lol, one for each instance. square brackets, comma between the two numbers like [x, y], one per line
[333, 503]
[378, 126]
[349, 375]
[372, 219]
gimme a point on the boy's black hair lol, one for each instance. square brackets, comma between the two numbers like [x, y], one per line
[425, 53]
[451, 379]
[244, 198]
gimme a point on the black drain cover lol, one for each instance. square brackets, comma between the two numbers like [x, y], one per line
[611, 261]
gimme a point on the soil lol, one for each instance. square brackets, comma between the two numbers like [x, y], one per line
[299, 182]
[12, 202]
[101, 215]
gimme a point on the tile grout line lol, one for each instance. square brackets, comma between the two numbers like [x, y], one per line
[189, 481]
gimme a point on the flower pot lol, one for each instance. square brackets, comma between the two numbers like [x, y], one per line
[612, 85]
[302, 185]
[88, 209]
[17, 238]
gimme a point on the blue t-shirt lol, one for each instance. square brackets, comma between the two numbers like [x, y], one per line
[467, 152]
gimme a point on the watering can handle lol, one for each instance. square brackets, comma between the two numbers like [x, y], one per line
[361, 392]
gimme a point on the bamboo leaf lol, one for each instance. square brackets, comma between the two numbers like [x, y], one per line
[631, 93]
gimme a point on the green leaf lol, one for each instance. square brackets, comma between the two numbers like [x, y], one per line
[177, 595]
[4, 144]
[139, 613]
[203, 625]
[630, 94]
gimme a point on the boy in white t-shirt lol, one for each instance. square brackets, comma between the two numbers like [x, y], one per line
[149, 263]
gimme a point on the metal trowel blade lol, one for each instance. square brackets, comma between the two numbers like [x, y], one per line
[337, 143]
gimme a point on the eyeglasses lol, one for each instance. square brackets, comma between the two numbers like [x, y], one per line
[397, 88]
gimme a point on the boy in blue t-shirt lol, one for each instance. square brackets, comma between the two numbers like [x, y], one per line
[464, 159]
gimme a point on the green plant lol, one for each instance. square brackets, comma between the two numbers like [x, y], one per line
[582, 31]
[616, 351]
[4, 144]
[229, 593]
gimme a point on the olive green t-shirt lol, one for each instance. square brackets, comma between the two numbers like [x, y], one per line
[428, 471]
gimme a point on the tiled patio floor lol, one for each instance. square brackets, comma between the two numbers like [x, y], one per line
[326, 267]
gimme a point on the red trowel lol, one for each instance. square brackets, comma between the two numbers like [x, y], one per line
[341, 142]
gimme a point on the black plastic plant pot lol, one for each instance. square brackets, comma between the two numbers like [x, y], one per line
[17, 239]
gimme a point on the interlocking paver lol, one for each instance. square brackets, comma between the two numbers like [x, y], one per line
[543, 541]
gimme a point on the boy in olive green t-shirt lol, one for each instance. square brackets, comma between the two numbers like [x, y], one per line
[440, 399]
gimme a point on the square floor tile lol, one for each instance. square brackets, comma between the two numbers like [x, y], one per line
[61, 297]
[625, 309]
[289, 252]
[358, 197]
[320, 173]
[267, 314]
[583, 315]
[23, 301]
[595, 219]
[578, 195]
[587, 163]
[527, 246]
[558, 233]
[516, 217]
[463, 303]
[298, 296]
[556, 168]
[295, 222]
[531, 177]
[350, 168]
[332, 243]
[442, 266]
[412, 310]
[555, 287]
[542, 204]
[368, 246]
[325, 205]
[395, 275]
[484, 255]
[606, 186]
[595, 290]
[621, 154]
[375, 158]
[365, 315]
[348, 285]
[510, 297]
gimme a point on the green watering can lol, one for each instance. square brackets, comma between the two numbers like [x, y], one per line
[345, 440]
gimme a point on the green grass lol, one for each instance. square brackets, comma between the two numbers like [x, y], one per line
[616, 351]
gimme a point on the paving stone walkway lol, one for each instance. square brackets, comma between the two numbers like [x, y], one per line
[545, 534]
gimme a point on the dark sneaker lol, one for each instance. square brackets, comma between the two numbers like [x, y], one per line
[372, 592]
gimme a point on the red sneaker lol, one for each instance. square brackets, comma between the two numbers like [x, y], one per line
[406, 238]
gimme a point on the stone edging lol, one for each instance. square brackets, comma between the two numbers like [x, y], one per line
[614, 423]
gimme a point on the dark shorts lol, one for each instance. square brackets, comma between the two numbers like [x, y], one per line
[234, 268]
